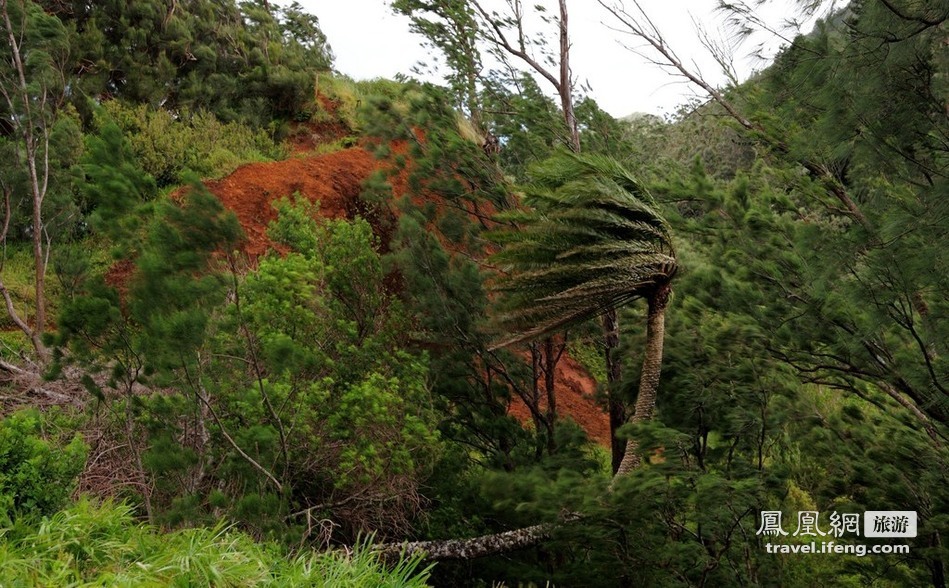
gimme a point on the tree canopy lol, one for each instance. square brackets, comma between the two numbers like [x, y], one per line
[268, 324]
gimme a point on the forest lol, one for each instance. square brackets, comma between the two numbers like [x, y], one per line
[267, 324]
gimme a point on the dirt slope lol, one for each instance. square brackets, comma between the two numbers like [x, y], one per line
[575, 389]
[335, 180]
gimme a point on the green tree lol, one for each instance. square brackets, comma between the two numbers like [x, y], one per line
[456, 27]
[594, 243]
[36, 475]
[852, 120]
[451, 26]
[252, 61]
[437, 251]
[35, 53]
[528, 124]
[289, 398]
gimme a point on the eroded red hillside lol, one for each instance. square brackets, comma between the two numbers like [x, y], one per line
[335, 180]
[575, 390]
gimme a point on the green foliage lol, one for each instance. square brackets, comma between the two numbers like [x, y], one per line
[355, 387]
[600, 132]
[13, 344]
[453, 189]
[349, 383]
[589, 353]
[343, 98]
[176, 287]
[695, 133]
[864, 107]
[94, 545]
[116, 185]
[357, 405]
[40, 130]
[422, 116]
[791, 351]
[169, 145]
[447, 297]
[296, 226]
[594, 242]
[906, 471]
[294, 376]
[793, 348]
[528, 124]
[18, 274]
[452, 28]
[36, 475]
[252, 62]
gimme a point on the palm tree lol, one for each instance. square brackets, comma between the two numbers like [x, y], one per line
[592, 243]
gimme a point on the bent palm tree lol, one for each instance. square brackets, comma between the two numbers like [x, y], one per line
[593, 242]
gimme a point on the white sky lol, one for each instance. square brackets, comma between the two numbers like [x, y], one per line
[370, 41]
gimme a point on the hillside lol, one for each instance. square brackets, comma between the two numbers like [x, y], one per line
[267, 324]
[336, 181]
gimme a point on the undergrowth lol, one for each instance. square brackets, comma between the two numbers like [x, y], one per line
[90, 544]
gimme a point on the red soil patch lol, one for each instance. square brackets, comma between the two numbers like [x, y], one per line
[575, 390]
[333, 179]
[306, 137]
[119, 274]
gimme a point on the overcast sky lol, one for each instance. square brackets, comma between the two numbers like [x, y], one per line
[370, 41]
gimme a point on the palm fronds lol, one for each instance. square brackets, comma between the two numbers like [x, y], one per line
[593, 241]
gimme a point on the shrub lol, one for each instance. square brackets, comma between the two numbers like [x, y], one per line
[36, 477]
[169, 144]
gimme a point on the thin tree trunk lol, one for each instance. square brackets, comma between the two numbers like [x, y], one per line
[550, 382]
[534, 405]
[936, 565]
[39, 261]
[566, 85]
[28, 128]
[617, 409]
[649, 378]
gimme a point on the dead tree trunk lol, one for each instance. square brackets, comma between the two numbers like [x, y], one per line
[473, 548]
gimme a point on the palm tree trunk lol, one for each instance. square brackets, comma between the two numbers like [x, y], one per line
[649, 378]
[466, 549]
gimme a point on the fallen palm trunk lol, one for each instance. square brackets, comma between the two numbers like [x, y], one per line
[472, 548]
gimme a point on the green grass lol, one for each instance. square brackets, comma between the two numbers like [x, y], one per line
[18, 276]
[337, 145]
[169, 145]
[103, 545]
[350, 95]
[589, 354]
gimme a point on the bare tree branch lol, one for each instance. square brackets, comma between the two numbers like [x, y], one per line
[638, 24]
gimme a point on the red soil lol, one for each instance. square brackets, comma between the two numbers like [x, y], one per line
[575, 389]
[335, 180]
[119, 275]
